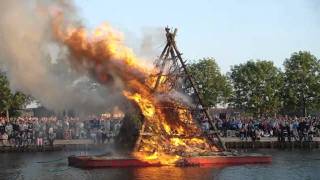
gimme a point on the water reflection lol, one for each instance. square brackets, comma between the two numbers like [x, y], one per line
[174, 173]
[46, 166]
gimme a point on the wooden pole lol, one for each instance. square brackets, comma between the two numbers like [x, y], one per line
[7, 115]
[205, 111]
[171, 49]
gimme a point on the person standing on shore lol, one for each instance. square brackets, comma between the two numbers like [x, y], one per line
[295, 126]
[242, 133]
[9, 130]
[288, 129]
[51, 136]
[40, 139]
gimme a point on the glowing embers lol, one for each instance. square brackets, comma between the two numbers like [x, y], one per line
[177, 142]
[166, 128]
[172, 132]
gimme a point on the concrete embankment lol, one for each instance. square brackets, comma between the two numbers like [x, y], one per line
[272, 144]
[231, 143]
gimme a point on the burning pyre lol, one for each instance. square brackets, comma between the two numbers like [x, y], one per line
[172, 133]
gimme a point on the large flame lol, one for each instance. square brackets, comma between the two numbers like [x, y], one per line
[104, 55]
[145, 104]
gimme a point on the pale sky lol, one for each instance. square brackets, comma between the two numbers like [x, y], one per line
[231, 31]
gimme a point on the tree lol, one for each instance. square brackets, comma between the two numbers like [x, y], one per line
[301, 90]
[213, 86]
[10, 101]
[5, 95]
[256, 87]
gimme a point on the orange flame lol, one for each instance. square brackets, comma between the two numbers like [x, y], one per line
[145, 105]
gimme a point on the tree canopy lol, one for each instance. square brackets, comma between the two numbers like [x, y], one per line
[213, 86]
[256, 86]
[301, 90]
[10, 101]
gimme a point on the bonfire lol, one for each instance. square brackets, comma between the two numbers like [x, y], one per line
[168, 130]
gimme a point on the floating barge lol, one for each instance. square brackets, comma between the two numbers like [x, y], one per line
[88, 162]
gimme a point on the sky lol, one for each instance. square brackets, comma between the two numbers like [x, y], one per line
[231, 31]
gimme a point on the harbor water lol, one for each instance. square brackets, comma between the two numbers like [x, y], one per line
[286, 165]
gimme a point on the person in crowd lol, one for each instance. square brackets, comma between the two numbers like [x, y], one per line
[5, 139]
[244, 132]
[40, 138]
[51, 136]
[295, 126]
[99, 136]
[93, 135]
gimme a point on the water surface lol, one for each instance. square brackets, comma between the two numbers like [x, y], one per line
[287, 165]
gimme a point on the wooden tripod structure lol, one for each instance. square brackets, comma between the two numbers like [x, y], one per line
[178, 69]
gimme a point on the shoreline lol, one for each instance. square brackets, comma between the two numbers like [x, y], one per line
[231, 143]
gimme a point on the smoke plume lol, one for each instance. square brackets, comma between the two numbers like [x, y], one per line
[38, 65]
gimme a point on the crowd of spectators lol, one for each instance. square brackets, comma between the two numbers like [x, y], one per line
[283, 127]
[26, 131]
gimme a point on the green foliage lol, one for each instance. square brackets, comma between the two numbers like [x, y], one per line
[5, 94]
[301, 90]
[256, 87]
[11, 101]
[213, 86]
